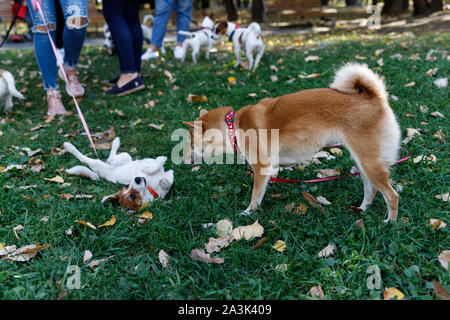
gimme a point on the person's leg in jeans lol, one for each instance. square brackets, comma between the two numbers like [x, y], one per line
[44, 53]
[122, 17]
[162, 15]
[131, 14]
[183, 20]
[74, 34]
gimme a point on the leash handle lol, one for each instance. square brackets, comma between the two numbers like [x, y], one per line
[60, 64]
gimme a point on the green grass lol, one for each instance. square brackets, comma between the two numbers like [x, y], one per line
[406, 252]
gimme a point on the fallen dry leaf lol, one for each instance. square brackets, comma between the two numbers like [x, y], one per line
[201, 255]
[254, 230]
[56, 179]
[440, 291]
[281, 267]
[328, 172]
[437, 224]
[441, 82]
[437, 114]
[224, 228]
[280, 246]
[90, 225]
[17, 229]
[164, 258]
[195, 98]
[95, 263]
[310, 76]
[323, 201]
[439, 135]
[259, 243]
[444, 258]
[312, 201]
[316, 292]
[312, 58]
[325, 252]
[87, 256]
[391, 293]
[273, 78]
[25, 253]
[444, 197]
[109, 223]
[231, 80]
[336, 150]
[359, 223]
[217, 244]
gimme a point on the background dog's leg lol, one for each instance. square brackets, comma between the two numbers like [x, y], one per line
[8, 103]
[208, 49]
[237, 54]
[258, 57]
[249, 55]
[260, 182]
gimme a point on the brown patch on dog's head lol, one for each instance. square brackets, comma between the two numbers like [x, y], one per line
[220, 27]
[130, 199]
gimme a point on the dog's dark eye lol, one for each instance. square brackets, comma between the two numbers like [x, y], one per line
[126, 186]
[133, 197]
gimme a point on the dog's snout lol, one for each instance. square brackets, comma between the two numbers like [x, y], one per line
[138, 180]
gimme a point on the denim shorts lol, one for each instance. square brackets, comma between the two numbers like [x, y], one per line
[71, 8]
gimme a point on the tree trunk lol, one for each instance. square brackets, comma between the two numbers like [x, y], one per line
[231, 10]
[395, 7]
[425, 7]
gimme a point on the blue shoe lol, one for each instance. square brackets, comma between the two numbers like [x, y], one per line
[134, 85]
[113, 80]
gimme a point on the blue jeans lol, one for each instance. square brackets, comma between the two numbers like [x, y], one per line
[162, 15]
[122, 17]
[73, 36]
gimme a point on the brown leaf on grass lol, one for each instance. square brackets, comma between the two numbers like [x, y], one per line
[325, 252]
[440, 291]
[276, 195]
[312, 59]
[290, 207]
[437, 224]
[444, 258]
[25, 253]
[163, 258]
[224, 228]
[300, 209]
[195, 98]
[312, 201]
[102, 146]
[248, 232]
[56, 179]
[410, 84]
[439, 135]
[391, 293]
[328, 172]
[38, 127]
[432, 72]
[201, 255]
[95, 263]
[359, 223]
[17, 229]
[316, 292]
[147, 215]
[90, 225]
[109, 223]
[259, 243]
[310, 76]
[217, 244]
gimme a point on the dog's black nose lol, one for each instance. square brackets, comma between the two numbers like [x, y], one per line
[138, 180]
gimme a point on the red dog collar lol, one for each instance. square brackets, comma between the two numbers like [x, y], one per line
[229, 120]
[153, 192]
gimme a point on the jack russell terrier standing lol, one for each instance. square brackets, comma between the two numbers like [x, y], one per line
[249, 39]
[354, 111]
[143, 180]
[8, 90]
[195, 40]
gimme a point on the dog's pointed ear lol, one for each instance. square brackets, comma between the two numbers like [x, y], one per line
[112, 197]
[203, 112]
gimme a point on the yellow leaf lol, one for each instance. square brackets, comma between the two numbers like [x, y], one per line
[391, 293]
[195, 98]
[231, 80]
[90, 225]
[280, 246]
[146, 215]
[2, 245]
[109, 223]
[336, 150]
[56, 179]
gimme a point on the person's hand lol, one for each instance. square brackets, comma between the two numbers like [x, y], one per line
[34, 4]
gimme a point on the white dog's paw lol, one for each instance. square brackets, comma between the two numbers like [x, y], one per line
[165, 184]
[116, 143]
[246, 212]
[69, 147]
[386, 221]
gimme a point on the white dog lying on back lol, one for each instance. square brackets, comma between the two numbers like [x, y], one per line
[197, 39]
[147, 177]
[8, 90]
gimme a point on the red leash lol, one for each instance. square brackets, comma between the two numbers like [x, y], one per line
[332, 178]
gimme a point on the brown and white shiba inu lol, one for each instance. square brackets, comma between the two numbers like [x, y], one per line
[354, 111]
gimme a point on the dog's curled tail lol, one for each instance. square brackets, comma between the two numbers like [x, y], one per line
[354, 78]
[186, 33]
[11, 85]
[254, 27]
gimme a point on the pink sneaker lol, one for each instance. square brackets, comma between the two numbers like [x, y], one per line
[75, 85]
[54, 103]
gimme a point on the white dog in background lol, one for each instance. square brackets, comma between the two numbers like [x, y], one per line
[8, 90]
[146, 33]
[147, 173]
[249, 39]
[197, 39]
